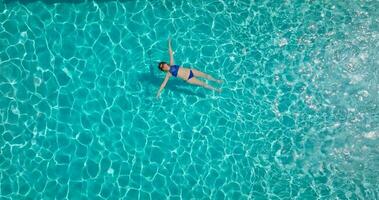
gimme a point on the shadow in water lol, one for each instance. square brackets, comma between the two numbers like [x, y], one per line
[174, 85]
[62, 1]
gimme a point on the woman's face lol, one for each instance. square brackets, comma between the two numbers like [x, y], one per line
[165, 67]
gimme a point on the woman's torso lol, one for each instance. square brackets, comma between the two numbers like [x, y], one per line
[179, 72]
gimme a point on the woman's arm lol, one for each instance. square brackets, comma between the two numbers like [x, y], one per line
[163, 84]
[172, 62]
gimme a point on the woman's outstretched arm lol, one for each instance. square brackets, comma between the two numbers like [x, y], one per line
[170, 52]
[163, 84]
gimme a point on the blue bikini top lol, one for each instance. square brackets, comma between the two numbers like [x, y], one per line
[174, 70]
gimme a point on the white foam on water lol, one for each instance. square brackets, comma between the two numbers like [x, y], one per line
[15, 110]
[34, 131]
[24, 34]
[330, 33]
[336, 125]
[23, 37]
[371, 135]
[37, 81]
[67, 72]
[244, 51]
[363, 93]
[354, 79]
[363, 56]
[110, 171]
[283, 42]
[276, 77]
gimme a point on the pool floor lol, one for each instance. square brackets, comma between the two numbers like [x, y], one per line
[297, 118]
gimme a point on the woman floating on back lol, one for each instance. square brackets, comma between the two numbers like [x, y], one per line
[190, 75]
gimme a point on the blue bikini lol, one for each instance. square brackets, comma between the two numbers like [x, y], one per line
[174, 71]
[191, 75]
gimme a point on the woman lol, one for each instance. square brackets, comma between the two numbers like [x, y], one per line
[189, 75]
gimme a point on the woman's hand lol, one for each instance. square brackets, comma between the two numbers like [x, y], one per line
[163, 84]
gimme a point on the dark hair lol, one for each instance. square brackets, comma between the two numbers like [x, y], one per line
[160, 65]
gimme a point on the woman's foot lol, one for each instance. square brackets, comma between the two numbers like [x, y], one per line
[219, 81]
[219, 90]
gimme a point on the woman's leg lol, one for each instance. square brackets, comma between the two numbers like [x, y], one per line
[198, 73]
[196, 81]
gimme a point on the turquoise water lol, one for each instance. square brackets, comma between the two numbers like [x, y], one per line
[298, 117]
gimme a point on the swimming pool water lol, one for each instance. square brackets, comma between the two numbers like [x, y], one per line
[298, 117]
